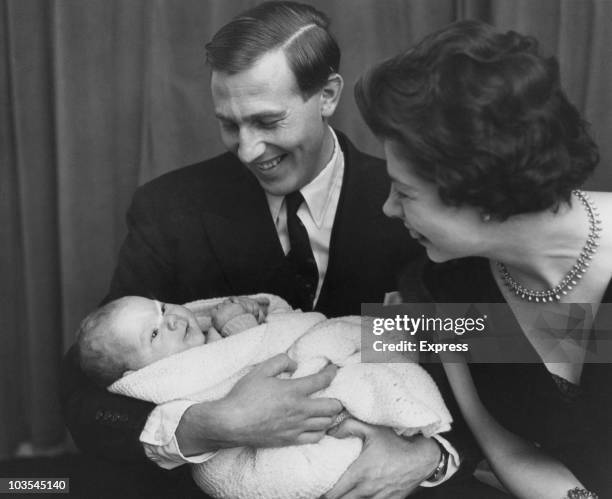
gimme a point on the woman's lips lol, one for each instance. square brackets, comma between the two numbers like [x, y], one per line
[418, 236]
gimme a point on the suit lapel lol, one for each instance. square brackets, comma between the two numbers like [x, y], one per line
[356, 219]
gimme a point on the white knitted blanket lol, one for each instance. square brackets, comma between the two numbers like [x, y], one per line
[402, 396]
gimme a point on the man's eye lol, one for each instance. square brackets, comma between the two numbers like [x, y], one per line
[227, 125]
[268, 124]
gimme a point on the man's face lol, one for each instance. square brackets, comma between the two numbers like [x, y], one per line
[282, 139]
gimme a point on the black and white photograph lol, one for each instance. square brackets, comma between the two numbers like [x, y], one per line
[306, 249]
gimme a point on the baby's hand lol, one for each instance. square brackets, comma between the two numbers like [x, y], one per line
[236, 306]
[257, 307]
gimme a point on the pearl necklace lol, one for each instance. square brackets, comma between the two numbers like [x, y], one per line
[576, 272]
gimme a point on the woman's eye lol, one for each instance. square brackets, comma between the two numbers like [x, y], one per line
[403, 196]
[398, 194]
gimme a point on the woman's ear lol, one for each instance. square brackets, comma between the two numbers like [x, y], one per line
[330, 95]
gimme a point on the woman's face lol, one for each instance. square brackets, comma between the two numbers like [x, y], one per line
[446, 232]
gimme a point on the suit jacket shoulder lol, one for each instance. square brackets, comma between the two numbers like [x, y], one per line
[201, 186]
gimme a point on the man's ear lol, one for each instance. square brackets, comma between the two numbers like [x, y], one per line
[330, 95]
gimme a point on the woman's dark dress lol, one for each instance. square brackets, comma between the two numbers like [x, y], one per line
[572, 423]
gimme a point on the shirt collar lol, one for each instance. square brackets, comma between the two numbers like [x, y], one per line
[318, 193]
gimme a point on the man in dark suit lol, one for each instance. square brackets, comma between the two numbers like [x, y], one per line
[227, 227]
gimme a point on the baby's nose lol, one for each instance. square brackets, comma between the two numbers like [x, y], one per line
[176, 322]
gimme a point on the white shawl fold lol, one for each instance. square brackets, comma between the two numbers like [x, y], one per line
[402, 396]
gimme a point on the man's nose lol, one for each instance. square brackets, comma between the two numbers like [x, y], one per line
[250, 146]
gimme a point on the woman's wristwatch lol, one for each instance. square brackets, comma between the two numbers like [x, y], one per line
[440, 472]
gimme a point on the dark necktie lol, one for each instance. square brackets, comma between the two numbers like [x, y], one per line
[300, 255]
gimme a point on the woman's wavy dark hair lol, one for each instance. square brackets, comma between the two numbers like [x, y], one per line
[482, 115]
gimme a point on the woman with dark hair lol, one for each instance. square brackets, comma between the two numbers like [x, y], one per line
[486, 157]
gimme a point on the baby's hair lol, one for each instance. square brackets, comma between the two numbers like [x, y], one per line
[96, 358]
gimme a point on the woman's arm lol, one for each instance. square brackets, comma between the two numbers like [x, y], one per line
[522, 468]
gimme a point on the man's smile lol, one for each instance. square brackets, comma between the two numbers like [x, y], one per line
[265, 166]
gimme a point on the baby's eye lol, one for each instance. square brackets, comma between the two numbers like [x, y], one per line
[163, 308]
[154, 333]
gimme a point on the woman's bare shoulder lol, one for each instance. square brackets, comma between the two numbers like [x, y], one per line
[602, 260]
[603, 203]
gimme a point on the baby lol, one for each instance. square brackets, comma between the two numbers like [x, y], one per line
[400, 396]
[132, 332]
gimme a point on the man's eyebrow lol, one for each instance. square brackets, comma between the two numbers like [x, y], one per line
[266, 115]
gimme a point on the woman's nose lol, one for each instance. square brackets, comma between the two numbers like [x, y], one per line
[391, 208]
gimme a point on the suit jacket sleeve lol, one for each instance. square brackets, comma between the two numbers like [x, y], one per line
[100, 422]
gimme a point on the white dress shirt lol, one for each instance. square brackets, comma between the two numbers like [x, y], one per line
[317, 212]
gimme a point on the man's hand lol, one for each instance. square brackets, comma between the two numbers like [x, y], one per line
[262, 410]
[389, 466]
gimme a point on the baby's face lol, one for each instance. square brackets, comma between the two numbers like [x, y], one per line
[148, 330]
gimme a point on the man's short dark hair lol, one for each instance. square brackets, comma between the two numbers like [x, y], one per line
[482, 115]
[299, 30]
